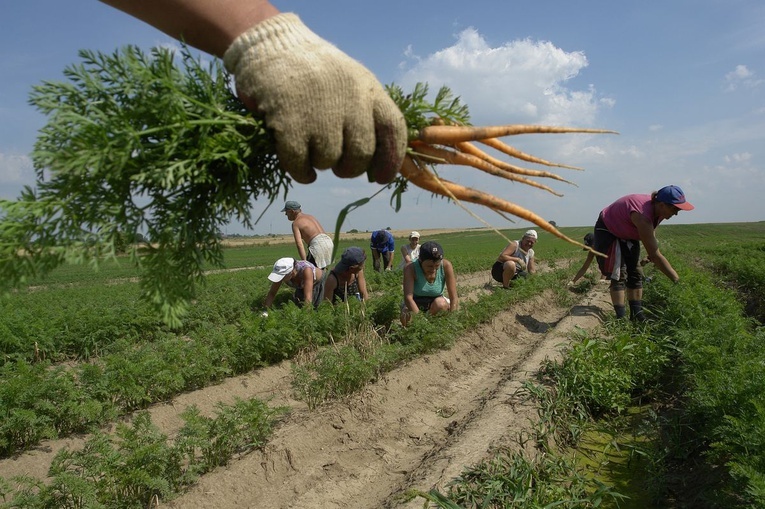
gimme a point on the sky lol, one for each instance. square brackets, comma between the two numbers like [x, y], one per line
[682, 81]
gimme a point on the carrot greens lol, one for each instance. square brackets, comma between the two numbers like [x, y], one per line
[153, 144]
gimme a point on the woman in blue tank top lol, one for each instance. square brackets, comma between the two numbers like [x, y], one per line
[424, 282]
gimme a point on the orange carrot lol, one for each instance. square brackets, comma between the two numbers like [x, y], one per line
[449, 134]
[420, 176]
[514, 152]
[459, 158]
[468, 148]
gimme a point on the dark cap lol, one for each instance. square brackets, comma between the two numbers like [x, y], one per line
[350, 257]
[673, 195]
[431, 251]
[291, 205]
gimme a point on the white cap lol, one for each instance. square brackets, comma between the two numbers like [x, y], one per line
[531, 233]
[282, 267]
[414, 234]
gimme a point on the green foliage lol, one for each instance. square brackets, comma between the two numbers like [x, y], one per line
[511, 480]
[334, 373]
[603, 373]
[139, 143]
[715, 352]
[138, 467]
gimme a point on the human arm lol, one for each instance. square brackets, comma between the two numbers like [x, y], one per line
[307, 276]
[409, 289]
[299, 240]
[451, 285]
[648, 238]
[585, 266]
[507, 255]
[208, 26]
[392, 255]
[405, 254]
[349, 124]
[362, 285]
[329, 287]
[531, 265]
[271, 294]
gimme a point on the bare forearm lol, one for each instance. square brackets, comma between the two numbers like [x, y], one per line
[664, 266]
[210, 26]
[411, 305]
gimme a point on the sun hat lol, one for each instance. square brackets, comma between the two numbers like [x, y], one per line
[414, 235]
[350, 257]
[531, 233]
[291, 205]
[673, 195]
[431, 251]
[282, 267]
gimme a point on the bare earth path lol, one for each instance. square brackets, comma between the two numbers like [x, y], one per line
[418, 427]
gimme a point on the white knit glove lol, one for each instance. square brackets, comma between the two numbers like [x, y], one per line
[326, 109]
[520, 265]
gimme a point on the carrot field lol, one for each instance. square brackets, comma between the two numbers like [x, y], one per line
[102, 404]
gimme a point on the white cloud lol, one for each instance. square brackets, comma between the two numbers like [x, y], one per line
[655, 127]
[633, 152]
[744, 157]
[741, 76]
[521, 81]
[15, 169]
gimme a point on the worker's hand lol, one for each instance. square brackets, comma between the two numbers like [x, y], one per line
[326, 109]
[520, 264]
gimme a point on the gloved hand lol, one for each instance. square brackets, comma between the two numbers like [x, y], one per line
[326, 109]
[520, 265]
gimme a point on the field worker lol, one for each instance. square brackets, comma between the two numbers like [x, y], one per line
[324, 109]
[620, 229]
[424, 282]
[307, 228]
[303, 276]
[383, 248]
[409, 252]
[347, 280]
[516, 260]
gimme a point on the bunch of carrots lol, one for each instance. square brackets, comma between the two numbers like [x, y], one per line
[158, 144]
[451, 144]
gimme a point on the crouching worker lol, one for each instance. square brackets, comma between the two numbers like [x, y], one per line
[303, 276]
[516, 260]
[346, 280]
[424, 282]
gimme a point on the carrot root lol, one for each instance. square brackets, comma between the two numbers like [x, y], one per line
[464, 159]
[514, 152]
[449, 134]
[468, 148]
[419, 175]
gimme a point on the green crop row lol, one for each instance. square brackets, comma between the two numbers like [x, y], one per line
[222, 337]
[681, 399]
[722, 384]
[138, 466]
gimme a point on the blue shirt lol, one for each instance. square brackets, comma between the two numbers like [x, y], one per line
[382, 241]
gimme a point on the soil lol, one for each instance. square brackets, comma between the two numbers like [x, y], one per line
[416, 428]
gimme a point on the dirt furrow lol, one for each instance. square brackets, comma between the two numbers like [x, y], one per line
[418, 427]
